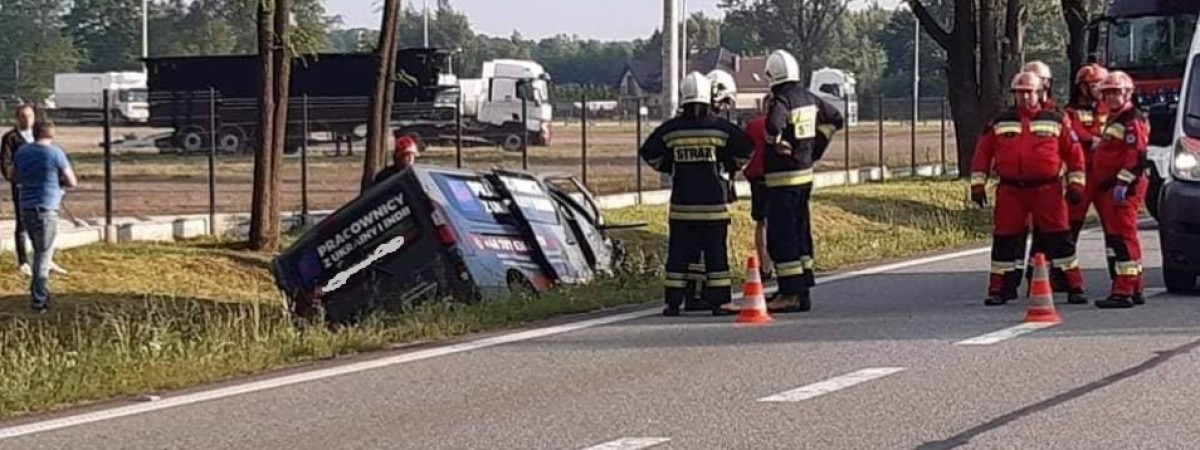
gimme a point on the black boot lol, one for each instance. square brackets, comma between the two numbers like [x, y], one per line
[999, 300]
[1139, 299]
[1077, 298]
[671, 311]
[1115, 301]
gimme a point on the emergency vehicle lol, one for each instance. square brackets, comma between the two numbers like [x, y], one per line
[1179, 209]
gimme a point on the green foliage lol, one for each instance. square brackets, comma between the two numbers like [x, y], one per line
[33, 47]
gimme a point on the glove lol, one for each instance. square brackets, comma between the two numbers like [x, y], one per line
[783, 148]
[1120, 193]
[979, 195]
[1074, 195]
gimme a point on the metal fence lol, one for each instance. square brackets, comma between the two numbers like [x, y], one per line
[207, 167]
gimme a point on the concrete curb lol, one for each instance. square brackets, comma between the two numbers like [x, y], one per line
[172, 227]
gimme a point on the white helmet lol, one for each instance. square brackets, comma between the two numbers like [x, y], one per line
[782, 67]
[696, 88]
[724, 86]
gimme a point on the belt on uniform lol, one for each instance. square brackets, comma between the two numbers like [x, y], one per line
[1029, 184]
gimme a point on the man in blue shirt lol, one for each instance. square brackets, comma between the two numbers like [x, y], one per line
[42, 171]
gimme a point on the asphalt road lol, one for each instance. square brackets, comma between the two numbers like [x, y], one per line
[876, 365]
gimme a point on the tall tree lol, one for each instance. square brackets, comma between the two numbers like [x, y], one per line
[381, 100]
[260, 201]
[963, 71]
[282, 70]
[108, 32]
[33, 47]
[805, 27]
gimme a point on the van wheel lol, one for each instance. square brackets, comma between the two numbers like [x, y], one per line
[1179, 281]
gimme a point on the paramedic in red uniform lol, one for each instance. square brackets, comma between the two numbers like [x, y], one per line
[1088, 114]
[1120, 188]
[1027, 147]
[756, 129]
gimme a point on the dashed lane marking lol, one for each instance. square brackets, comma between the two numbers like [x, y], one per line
[832, 385]
[636, 443]
[1005, 334]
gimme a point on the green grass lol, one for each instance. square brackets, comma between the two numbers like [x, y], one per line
[139, 318]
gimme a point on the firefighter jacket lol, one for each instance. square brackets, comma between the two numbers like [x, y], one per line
[806, 123]
[1120, 156]
[701, 154]
[756, 129]
[1028, 149]
[1087, 120]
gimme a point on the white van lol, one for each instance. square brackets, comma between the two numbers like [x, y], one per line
[1179, 203]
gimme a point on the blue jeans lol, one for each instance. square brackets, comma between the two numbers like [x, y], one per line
[42, 226]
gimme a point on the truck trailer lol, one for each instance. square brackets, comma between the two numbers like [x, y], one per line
[337, 88]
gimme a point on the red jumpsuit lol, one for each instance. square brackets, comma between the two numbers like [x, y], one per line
[1027, 151]
[1119, 160]
[1087, 121]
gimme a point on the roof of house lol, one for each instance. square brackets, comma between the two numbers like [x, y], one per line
[648, 71]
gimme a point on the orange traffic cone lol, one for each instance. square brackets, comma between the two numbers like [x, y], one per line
[754, 303]
[1041, 299]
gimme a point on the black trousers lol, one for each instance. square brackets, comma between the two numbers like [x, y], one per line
[685, 244]
[19, 234]
[789, 238]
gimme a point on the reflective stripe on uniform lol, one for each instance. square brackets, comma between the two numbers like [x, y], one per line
[789, 269]
[789, 178]
[1129, 268]
[1007, 128]
[1066, 263]
[1126, 176]
[699, 212]
[1077, 178]
[978, 178]
[676, 280]
[826, 130]
[698, 133]
[1115, 131]
[809, 264]
[1046, 126]
[804, 121]
[720, 279]
[1086, 117]
[695, 141]
[1001, 268]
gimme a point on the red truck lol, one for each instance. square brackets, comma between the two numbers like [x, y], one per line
[1150, 40]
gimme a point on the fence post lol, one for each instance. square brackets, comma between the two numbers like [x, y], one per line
[882, 161]
[304, 167]
[212, 161]
[110, 235]
[846, 138]
[913, 135]
[943, 135]
[524, 133]
[458, 138]
[584, 140]
[637, 159]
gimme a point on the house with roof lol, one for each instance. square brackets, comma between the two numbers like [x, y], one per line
[643, 78]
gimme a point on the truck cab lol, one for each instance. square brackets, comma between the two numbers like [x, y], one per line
[837, 87]
[1150, 40]
[79, 97]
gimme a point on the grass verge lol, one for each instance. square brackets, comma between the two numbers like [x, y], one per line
[140, 318]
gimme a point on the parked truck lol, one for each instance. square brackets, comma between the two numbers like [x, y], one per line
[79, 98]
[185, 92]
[837, 87]
[1149, 40]
[510, 100]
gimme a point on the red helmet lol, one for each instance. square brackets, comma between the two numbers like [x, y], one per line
[406, 144]
[1091, 73]
[1026, 81]
[1117, 81]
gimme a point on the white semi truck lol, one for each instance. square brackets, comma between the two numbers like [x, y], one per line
[508, 94]
[79, 98]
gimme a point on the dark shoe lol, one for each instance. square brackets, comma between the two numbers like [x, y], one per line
[995, 300]
[1077, 298]
[1114, 302]
[789, 303]
[696, 305]
[671, 311]
[1139, 299]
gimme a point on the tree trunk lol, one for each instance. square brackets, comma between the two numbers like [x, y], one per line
[1075, 14]
[282, 61]
[1015, 20]
[990, 93]
[965, 100]
[259, 203]
[380, 116]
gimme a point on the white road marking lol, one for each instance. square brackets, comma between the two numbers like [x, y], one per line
[832, 384]
[629, 444]
[1006, 334]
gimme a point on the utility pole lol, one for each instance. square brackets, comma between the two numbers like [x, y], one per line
[145, 32]
[670, 88]
[685, 54]
[916, 87]
[425, 15]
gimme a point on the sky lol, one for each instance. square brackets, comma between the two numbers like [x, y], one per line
[535, 19]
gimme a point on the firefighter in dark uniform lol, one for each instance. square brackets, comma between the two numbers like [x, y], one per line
[724, 96]
[799, 128]
[701, 152]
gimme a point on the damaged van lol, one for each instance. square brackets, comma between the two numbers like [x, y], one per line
[430, 233]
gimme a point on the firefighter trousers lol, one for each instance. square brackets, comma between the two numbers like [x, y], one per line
[1076, 214]
[1120, 222]
[1015, 207]
[789, 238]
[686, 242]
